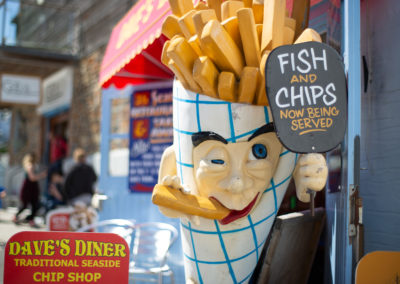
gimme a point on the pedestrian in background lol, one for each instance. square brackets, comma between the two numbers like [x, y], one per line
[58, 151]
[79, 183]
[55, 193]
[29, 194]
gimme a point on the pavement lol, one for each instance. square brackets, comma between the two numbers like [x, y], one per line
[8, 229]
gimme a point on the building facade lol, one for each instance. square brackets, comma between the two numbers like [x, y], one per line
[39, 39]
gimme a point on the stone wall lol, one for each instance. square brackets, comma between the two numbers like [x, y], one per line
[26, 133]
[85, 111]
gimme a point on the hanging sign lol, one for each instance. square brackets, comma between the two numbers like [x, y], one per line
[57, 91]
[151, 133]
[307, 93]
[20, 89]
[61, 257]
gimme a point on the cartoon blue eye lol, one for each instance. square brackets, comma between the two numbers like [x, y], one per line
[259, 151]
[218, 161]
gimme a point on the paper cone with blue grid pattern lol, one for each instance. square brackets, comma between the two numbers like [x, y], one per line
[224, 146]
[216, 253]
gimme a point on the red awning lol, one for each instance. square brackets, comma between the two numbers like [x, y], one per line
[134, 50]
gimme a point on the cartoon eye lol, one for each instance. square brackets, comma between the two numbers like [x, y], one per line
[218, 161]
[259, 151]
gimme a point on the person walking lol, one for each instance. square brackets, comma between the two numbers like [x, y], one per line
[79, 182]
[30, 191]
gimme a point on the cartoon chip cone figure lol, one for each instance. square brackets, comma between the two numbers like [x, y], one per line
[226, 173]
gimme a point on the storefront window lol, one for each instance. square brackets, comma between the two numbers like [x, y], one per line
[119, 142]
[120, 116]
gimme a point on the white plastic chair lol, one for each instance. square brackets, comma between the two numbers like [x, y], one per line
[151, 244]
[121, 227]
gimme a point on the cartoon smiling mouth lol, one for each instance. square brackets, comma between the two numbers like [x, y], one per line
[237, 214]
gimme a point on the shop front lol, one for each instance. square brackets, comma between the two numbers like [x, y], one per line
[55, 105]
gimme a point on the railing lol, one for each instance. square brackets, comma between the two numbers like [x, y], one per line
[39, 26]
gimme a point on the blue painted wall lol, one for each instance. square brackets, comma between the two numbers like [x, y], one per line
[121, 203]
[380, 143]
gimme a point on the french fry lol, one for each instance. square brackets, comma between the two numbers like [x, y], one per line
[248, 84]
[261, 96]
[258, 11]
[308, 35]
[227, 86]
[178, 74]
[201, 18]
[274, 21]
[231, 25]
[300, 12]
[216, 6]
[184, 56]
[248, 34]
[195, 44]
[220, 47]
[187, 203]
[259, 28]
[291, 23]
[200, 6]
[288, 35]
[264, 58]
[180, 7]
[164, 57]
[248, 3]
[170, 26]
[187, 25]
[229, 8]
[206, 75]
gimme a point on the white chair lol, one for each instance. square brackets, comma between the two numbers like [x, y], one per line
[121, 227]
[149, 253]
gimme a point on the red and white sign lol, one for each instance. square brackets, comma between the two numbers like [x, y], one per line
[58, 219]
[65, 257]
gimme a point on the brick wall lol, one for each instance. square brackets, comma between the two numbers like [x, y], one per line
[85, 111]
[25, 133]
[96, 24]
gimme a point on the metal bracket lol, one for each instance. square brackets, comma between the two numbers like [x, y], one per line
[353, 214]
[352, 230]
[353, 211]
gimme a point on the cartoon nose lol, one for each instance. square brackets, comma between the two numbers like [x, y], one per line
[236, 184]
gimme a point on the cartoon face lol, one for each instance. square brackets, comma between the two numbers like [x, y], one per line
[235, 174]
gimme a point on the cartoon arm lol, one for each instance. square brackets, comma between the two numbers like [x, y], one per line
[311, 173]
[167, 174]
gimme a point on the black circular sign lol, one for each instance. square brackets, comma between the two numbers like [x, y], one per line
[307, 93]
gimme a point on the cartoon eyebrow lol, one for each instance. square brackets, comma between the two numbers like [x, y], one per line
[200, 137]
[270, 127]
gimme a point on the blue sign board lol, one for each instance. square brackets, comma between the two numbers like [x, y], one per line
[151, 132]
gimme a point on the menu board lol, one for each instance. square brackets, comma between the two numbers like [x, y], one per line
[151, 132]
[307, 93]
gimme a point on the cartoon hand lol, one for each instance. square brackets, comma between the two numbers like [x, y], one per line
[310, 173]
[175, 182]
[172, 181]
